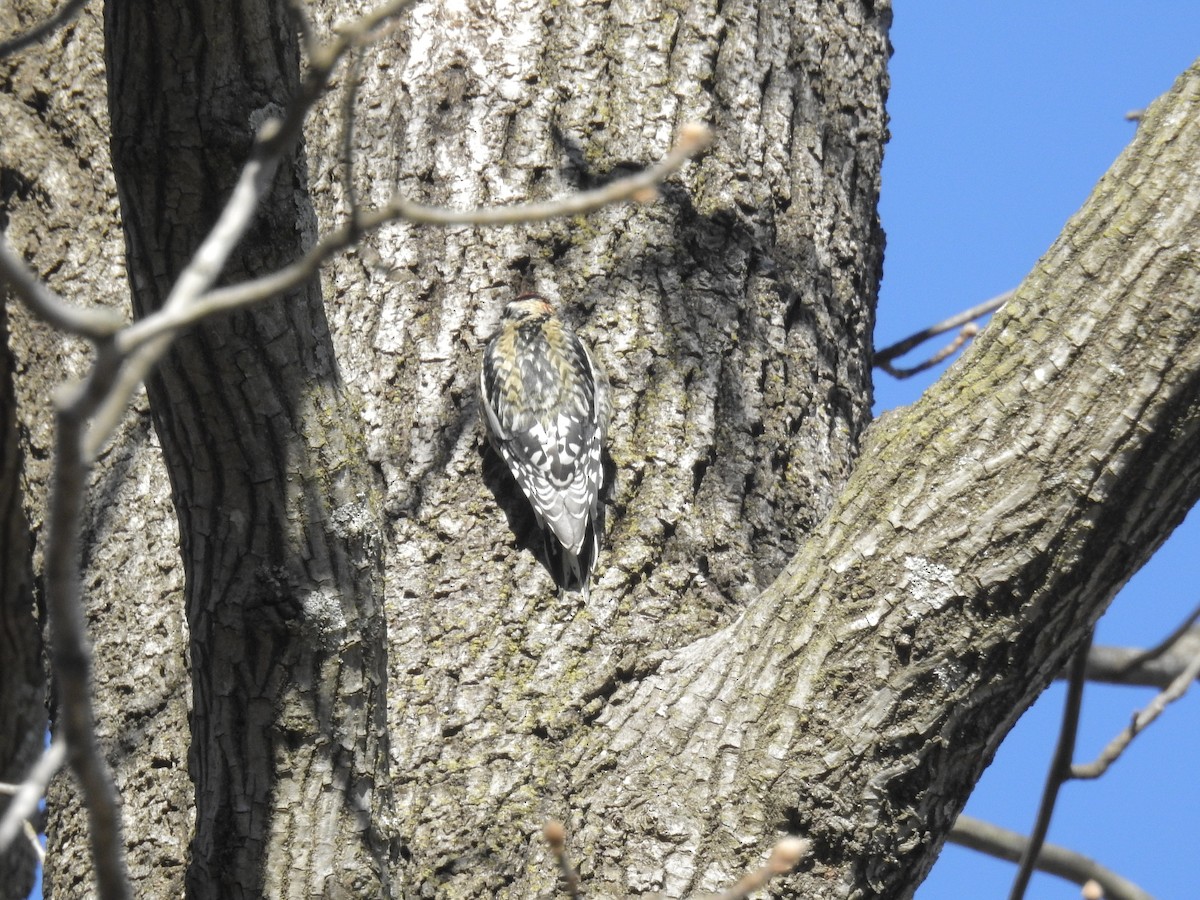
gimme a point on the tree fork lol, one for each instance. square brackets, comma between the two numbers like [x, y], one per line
[983, 532]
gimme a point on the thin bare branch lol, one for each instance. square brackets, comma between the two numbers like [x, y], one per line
[70, 652]
[25, 796]
[1169, 641]
[1122, 665]
[691, 140]
[555, 834]
[32, 835]
[965, 334]
[964, 320]
[43, 29]
[1053, 859]
[1060, 767]
[785, 856]
[1141, 720]
[96, 323]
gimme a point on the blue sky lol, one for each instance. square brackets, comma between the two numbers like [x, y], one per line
[1004, 116]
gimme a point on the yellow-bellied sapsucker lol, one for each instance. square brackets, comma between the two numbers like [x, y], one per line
[546, 408]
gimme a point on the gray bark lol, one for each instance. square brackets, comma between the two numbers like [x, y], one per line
[734, 320]
[64, 218]
[22, 683]
[277, 508]
[700, 703]
[983, 532]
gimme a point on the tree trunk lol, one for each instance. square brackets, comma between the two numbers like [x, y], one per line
[734, 319]
[699, 703]
[982, 534]
[61, 213]
[277, 508]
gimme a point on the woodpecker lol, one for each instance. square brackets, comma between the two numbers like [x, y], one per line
[545, 407]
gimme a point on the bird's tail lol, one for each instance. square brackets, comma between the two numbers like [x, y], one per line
[572, 572]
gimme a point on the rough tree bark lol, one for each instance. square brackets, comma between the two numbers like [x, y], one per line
[62, 214]
[695, 707]
[734, 318]
[278, 510]
[22, 680]
[983, 532]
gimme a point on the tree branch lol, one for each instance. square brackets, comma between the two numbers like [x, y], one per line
[884, 357]
[95, 322]
[1060, 768]
[43, 29]
[1163, 646]
[1052, 858]
[639, 186]
[25, 796]
[946, 587]
[1121, 665]
[1141, 720]
[70, 652]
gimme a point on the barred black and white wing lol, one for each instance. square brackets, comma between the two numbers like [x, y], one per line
[546, 410]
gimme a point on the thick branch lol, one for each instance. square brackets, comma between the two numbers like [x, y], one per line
[1000, 842]
[1121, 665]
[1060, 770]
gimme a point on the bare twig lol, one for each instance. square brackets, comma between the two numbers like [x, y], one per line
[70, 653]
[1168, 642]
[1125, 665]
[1141, 720]
[94, 322]
[785, 856]
[691, 140]
[1060, 767]
[964, 319]
[25, 796]
[966, 333]
[556, 836]
[1052, 858]
[32, 835]
[43, 29]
